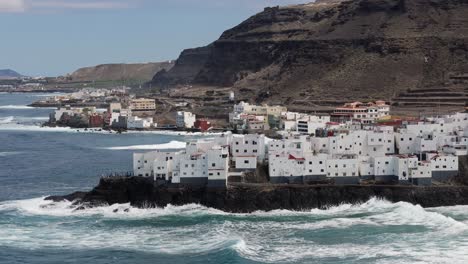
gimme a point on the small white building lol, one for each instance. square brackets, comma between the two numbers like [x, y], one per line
[134, 122]
[248, 145]
[343, 169]
[185, 119]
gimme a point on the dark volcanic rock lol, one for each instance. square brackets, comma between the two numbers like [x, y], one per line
[141, 192]
[71, 197]
[342, 49]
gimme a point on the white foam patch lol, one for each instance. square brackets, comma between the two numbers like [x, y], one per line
[6, 120]
[37, 128]
[171, 145]
[4, 154]
[19, 107]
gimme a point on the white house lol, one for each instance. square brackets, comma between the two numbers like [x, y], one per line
[248, 145]
[134, 122]
[343, 169]
[185, 119]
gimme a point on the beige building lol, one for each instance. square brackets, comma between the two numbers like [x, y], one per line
[143, 104]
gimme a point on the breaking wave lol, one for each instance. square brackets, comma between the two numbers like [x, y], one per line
[6, 120]
[171, 145]
[19, 107]
[374, 230]
[4, 154]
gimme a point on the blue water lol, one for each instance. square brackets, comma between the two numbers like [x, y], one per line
[36, 162]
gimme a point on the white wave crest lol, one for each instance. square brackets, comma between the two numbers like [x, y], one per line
[37, 128]
[368, 232]
[15, 107]
[4, 154]
[171, 145]
[6, 120]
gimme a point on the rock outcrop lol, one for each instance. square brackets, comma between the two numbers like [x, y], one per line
[141, 192]
[120, 71]
[334, 49]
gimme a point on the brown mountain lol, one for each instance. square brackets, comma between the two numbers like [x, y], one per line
[120, 71]
[335, 50]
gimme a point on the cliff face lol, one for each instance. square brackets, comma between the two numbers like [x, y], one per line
[335, 49]
[115, 72]
[141, 192]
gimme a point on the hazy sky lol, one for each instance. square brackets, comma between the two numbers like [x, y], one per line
[54, 37]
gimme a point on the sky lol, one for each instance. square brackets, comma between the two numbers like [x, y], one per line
[56, 37]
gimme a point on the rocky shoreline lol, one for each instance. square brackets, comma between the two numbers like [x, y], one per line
[245, 198]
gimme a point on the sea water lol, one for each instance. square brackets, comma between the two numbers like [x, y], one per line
[36, 162]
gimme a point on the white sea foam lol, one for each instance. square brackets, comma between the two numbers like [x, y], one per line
[278, 236]
[37, 128]
[6, 120]
[15, 107]
[14, 120]
[4, 154]
[171, 145]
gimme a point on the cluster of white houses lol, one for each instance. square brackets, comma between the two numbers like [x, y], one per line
[258, 118]
[344, 153]
[115, 116]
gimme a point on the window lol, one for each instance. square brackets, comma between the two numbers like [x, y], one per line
[146, 161]
[213, 164]
[386, 162]
[245, 151]
[322, 170]
[246, 162]
[310, 162]
[255, 151]
[237, 151]
[320, 162]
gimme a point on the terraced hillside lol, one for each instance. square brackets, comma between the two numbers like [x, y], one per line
[331, 51]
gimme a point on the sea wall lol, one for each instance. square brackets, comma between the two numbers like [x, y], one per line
[242, 198]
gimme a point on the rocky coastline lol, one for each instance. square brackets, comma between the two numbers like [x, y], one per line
[144, 192]
[246, 198]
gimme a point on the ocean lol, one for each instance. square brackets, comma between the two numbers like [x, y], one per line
[36, 162]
